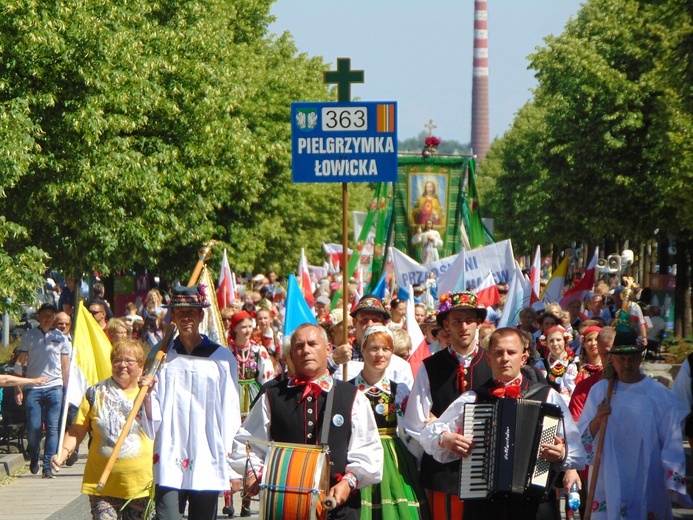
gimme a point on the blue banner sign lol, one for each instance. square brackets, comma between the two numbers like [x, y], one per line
[344, 142]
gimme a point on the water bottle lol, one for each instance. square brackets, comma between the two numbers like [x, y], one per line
[574, 497]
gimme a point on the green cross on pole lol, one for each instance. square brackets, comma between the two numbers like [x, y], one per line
[343, 77]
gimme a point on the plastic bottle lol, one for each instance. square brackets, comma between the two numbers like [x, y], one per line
[574, 497]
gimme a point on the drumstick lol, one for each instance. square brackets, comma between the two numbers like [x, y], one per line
[330, 502]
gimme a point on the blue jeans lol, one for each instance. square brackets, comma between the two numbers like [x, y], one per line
[43, 407]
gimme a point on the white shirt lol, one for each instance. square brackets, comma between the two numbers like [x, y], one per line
[195, 414]
[364, 454]
[643, 462]
[453, 418]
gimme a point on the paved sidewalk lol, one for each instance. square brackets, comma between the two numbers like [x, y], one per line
[31, 497]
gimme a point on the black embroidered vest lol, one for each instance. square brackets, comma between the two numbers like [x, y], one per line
[442, 376]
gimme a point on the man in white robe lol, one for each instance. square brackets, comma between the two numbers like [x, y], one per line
[193, 415]
[643, 465]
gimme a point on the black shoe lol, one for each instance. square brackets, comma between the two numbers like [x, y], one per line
[247, 512]
[34, 466]
[48, 473]
[228, 511]
[72, 459]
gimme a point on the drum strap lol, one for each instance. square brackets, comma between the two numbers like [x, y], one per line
[326, 419]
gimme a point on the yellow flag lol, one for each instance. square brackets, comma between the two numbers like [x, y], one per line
[91, 356]
[554, 289]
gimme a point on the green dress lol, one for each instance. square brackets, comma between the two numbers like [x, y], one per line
[399, 495]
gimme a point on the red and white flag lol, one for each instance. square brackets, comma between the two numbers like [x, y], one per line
[585, 285]
[419, 346]
[227, 291]
[335, 255]
[535, 276]
[304, 280]
[487, 292]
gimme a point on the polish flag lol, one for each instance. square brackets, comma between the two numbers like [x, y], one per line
[304, 280]
[335, 255]
[535, 276]
[487, 294]
[419, 346]
[585, 285]
[226, 291]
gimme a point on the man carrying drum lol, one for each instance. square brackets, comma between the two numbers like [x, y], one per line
[292, 411]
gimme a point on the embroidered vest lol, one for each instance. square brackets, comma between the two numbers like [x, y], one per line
[442, 374]
[302, 423]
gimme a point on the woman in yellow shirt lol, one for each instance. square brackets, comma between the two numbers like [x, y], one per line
[103, 412]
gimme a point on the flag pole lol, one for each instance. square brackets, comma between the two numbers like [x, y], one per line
[151, 369]
[76, 297]
[345, 271]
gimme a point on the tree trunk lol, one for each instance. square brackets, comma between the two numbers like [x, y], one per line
[682, 298]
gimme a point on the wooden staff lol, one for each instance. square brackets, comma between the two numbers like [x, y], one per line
[151, 369]
[345, 271]
[598, 455]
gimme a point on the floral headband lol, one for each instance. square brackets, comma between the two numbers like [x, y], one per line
[377, 328]
[567, 336]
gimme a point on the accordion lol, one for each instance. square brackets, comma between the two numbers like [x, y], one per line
[505, 459]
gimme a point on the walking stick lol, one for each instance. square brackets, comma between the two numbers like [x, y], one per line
[598, 455]
[152, 368]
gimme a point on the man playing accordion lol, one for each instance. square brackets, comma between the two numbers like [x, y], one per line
[444, 438]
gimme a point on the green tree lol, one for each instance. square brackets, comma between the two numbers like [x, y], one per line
[150, 128]
[600, 125]
[608, 134]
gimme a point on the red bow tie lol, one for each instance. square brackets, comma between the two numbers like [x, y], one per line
[309, 388]
[512, 391]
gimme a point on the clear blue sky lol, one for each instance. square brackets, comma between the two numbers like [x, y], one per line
[419, 53]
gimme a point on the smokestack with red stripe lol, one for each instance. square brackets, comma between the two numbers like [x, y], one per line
[480, 120]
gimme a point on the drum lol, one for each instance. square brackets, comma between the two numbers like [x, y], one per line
[295, 481]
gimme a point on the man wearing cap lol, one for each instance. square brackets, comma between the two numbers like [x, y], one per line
[445, 376]
[295, 410]
[444, 437]
[46, 353]
[368, 312]
[193, 415]
[322, 305]
[642, 463]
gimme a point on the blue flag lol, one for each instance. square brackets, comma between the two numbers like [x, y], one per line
[379, 289]
[403, 294]
[297, 310]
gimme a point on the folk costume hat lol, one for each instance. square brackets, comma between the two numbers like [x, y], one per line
[459, 301]
[626, 343]
[193, 296]
[370, 303]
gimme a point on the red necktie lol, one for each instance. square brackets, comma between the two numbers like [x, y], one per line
[309, 388]
[511, 391]
[461, 383]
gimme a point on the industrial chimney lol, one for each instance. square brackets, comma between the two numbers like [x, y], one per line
[480, 121]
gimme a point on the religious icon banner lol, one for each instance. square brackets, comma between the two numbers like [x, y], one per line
[428, 206]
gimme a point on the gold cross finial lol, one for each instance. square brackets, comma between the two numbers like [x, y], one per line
[430, 126]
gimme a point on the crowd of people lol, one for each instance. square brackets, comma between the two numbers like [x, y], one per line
[220, 420]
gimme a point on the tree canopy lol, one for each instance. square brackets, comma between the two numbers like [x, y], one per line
[604, 147]
[134, 132]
